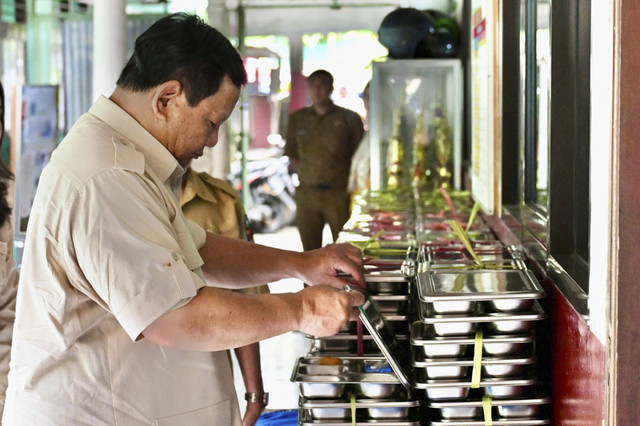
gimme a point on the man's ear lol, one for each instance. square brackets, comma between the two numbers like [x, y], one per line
[166, 96]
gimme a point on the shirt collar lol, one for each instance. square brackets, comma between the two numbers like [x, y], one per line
[195, 187]
[330, 109]
[159, 159]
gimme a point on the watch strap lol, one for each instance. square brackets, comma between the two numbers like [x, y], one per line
[256, 397]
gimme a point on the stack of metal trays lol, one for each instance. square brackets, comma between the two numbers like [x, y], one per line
[333, 390]
[473, 350]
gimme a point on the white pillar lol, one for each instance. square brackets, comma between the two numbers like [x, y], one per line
[109, 44]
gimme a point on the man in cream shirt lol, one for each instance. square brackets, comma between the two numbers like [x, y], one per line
[119, 321]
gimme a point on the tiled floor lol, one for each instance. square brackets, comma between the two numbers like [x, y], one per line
[279, 353]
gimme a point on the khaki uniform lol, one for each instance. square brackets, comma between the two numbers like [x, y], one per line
[8, 290]
[215, 205]
[323, 146]
[107, 252]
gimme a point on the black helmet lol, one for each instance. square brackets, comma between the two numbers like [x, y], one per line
[443, 43]
[403, 33]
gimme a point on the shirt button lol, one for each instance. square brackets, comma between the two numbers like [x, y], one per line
[174, 255]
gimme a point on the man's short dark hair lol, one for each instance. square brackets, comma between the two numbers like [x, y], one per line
[323, 74]
[184, 48]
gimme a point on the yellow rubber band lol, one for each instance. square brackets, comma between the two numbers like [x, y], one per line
[486, 408]
[353, 410]
[477, 361]
[455, 225]
[472, 216]
[459, 283]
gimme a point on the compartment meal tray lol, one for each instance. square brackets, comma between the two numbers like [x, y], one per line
[477, 285]
[428, 317]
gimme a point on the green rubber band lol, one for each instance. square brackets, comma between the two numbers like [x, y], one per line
[486, 408]
[477, 361]
[472, 216]
[353, 410]
[455, 225]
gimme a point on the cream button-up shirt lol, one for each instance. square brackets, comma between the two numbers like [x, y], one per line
[107, 252]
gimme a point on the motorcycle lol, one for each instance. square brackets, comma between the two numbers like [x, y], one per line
[271, 203]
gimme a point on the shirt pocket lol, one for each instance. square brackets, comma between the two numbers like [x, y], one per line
[218, 414]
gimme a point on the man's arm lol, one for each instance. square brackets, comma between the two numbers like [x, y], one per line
[218, 319]
[356, 130]
[231, 263]
[249, 361]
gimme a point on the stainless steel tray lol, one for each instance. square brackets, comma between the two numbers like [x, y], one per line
[497, 322]
[528, 407]
[398, 323]
[389, 282]
[456, 253]
[386, 409]
[352, 370]
[430, 236]
[360, 403]
[423, 337]
[398, 304]
[456, 266]
[444, 285]
[347, 343]
[453, 389]
[384, 337]
[461, 368]
[386, 276]
[500, 422]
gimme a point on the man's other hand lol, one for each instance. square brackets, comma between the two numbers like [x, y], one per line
[322, 266]
[326, 310]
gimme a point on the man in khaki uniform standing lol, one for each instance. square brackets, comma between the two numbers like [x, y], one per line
[216, 206]
[321, 140]
[119, 318]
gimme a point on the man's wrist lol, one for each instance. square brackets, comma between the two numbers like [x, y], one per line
[257, 398]
[297, 264]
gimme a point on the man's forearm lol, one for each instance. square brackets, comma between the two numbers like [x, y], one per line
[249, 360]
[232, 263]
[218, 319]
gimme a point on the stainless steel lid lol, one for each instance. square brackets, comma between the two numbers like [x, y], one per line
[440, 285]
[384, 338]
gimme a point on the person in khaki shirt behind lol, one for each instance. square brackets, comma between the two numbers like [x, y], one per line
[321, 140]
[215, 205]
[8, 270]
[123, 313]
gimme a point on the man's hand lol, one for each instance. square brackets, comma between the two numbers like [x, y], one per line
[325, 310]
[322, 266]
[253, 413]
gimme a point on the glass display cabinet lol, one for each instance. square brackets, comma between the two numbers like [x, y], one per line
[416, 123]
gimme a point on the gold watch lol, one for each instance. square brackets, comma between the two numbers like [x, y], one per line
[256, 397]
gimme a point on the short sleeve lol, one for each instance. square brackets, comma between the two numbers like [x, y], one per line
[356, 129]
[128, 251]
[198, 233]
[291, 147]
